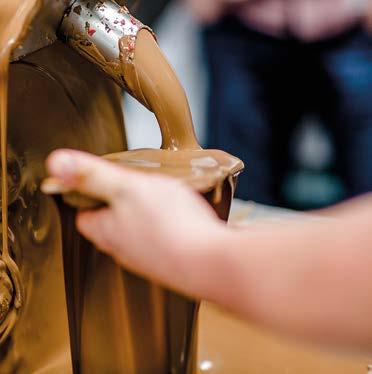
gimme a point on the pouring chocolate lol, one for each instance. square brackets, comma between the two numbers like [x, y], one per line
[98, 317]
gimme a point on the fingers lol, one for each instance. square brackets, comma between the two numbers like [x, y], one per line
[90, 175]
[96, 226]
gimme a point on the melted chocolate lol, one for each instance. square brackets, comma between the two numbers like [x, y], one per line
[149, 78]
[116, 321]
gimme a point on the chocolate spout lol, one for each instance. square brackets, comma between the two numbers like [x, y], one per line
[105, 33]
[110, 37]
[102, 23]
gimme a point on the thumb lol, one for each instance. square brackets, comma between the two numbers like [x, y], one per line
[90, 175]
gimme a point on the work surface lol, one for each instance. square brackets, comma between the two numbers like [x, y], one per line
[228, 345]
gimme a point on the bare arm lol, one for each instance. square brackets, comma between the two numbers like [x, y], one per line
[308, 279]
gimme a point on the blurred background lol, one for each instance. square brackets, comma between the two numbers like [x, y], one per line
[305, 172]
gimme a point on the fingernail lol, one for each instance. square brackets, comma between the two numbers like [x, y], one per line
[53, 186]
[63, 165]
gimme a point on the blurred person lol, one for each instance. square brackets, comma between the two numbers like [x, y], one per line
[273, 61]
[307, 278]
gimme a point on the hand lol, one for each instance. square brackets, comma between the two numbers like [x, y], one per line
[153, 225]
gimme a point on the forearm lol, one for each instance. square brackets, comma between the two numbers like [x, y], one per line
[306, 279]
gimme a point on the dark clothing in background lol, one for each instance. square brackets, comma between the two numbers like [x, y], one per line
[262, 86]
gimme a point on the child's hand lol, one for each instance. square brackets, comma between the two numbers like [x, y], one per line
[153, 225]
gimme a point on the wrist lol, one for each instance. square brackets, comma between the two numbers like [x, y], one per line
[211, 263]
